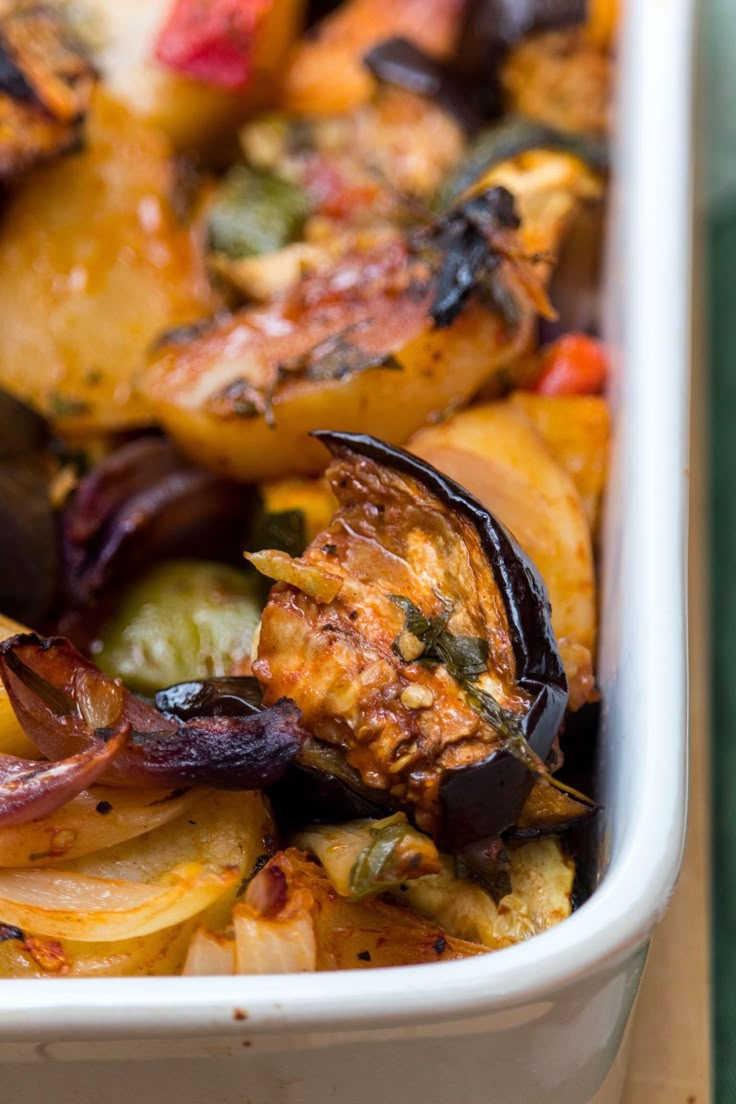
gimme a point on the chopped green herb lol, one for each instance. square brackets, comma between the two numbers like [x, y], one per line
[466, 659]
[103, 808]
[254, 213]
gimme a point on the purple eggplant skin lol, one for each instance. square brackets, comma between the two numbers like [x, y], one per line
[225, 696]
[484, 799]
[309, 795]
[401, 63]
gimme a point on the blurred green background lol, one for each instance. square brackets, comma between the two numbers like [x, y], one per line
[716, 147]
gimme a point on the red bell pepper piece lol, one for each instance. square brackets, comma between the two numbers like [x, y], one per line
[211, 41]
[572, 365]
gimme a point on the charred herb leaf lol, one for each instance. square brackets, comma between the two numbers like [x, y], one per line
[464, 239]
[465, 658]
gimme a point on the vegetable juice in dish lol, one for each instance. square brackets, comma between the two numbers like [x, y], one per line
[302, 447]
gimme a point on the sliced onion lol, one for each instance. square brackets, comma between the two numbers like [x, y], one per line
[210, 954]
[277, 946]
[38, 956]
[62, 701]
[220, 831]
[75, 906]
[97, 818]
[31, 789]
[223, 832]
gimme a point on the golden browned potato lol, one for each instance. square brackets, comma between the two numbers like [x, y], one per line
[326, 74]
[203, 394]
[94, 265]
[351, 349]
[562, 78]
[192, 114]
[577, 430]
[495, 452]
[232, 399]
[312, 497]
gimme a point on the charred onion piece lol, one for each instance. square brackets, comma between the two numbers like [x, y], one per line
[435, 667]
[45, 87]
[30, 789]
[142, 503]
[64, 704]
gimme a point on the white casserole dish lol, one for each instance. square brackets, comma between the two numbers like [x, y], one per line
[541, 1021]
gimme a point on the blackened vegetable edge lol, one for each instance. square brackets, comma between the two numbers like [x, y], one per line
[464, 792]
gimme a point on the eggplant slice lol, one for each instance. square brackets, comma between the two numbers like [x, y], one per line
[415, 635]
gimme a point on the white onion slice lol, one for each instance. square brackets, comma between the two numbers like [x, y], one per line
[67, 905]
[210, 955]
[264, 946]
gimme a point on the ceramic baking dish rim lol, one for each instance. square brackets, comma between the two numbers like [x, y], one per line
[654, 217]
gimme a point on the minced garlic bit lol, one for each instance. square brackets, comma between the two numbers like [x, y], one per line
[417, 696]
[410, 646]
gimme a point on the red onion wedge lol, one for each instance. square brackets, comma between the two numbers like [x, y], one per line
[65, 704]
[30, 788]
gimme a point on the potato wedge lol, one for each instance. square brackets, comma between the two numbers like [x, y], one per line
[97, 818]
[94, 266]
[13, 740]
[207, 393]
[495, 452]
[577, 430]
[563, 78]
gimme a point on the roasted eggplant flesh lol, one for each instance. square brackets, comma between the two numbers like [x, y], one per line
[45, 87]
[433, 664]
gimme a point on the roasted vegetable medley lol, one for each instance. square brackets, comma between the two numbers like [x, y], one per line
[303, 440]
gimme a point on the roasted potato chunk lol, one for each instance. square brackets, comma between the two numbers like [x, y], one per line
[46, 85]
[385, 341]
[94, 265]
[495, 451]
